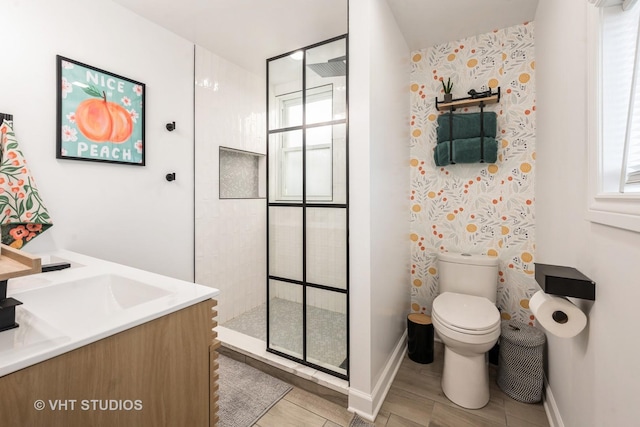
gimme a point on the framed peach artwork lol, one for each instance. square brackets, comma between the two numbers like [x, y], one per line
[100, 115]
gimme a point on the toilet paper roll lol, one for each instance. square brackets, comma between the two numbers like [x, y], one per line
[557, 315]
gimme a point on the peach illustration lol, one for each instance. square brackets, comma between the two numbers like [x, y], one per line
[100, 121]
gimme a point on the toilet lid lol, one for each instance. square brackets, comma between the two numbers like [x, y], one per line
[466, 313]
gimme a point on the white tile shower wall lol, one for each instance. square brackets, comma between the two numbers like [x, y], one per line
[285, 242]
[285, 291]
[326, 300]
[339, 164]
[326, 253]
[326, 247]
[230, 234]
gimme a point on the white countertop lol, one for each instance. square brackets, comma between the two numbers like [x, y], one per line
[67, 309]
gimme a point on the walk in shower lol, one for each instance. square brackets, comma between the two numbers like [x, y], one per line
[307, 213]
[305, 315]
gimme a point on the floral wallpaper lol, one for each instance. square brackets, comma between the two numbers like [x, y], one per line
[476, 208]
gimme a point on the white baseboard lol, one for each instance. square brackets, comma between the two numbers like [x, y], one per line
[550, 406]
[366, 405]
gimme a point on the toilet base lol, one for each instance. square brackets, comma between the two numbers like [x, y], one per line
[465, 379]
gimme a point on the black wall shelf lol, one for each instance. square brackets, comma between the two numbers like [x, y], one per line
[468, 102]
[565, 281]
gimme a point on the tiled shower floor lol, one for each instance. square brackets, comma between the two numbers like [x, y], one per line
[326, 331]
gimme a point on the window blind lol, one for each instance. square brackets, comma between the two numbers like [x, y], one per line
[620, 99]
[630, 173]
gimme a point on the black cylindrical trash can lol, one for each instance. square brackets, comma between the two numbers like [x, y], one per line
[420, 337]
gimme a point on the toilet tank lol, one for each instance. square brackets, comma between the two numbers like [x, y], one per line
[468, 274]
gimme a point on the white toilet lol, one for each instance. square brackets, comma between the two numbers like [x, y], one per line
[467, 321]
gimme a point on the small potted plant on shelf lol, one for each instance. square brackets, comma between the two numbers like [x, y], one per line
[448, 96]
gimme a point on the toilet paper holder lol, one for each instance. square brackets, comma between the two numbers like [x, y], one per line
[564, 281]
[557, 315]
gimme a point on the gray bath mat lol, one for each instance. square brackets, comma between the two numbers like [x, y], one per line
[245, 393]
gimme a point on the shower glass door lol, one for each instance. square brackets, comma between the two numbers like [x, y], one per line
[307, 215]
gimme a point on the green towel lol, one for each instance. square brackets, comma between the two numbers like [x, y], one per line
[466, 125]
[466, 151]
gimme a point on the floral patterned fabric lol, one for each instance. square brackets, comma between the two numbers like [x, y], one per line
[23, 215]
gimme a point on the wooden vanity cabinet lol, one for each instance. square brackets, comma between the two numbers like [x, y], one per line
[160, 373]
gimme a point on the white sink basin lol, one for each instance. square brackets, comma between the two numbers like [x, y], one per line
[94, 299]
[73, 305]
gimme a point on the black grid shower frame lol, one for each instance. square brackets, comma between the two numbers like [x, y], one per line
[304, 205]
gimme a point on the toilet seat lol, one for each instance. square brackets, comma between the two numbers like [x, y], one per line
[466, 314]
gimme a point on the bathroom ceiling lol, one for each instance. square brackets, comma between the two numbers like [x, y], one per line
[425, 23]
[247, 32]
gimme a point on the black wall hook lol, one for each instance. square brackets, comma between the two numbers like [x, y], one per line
[171, 126]
[171, 176]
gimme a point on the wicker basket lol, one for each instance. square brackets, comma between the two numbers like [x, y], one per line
[520, 366]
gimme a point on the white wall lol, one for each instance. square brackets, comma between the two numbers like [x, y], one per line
[230, 233]
[594, 376]
[126, 214]
[379, 199]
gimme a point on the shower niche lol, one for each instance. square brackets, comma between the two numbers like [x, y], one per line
[241, 174]
[307, 206]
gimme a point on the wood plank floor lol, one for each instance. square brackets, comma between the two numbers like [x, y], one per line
[414, 400]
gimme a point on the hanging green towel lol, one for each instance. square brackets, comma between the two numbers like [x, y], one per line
[23, 215]
[466, 151]
[466, 125]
